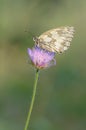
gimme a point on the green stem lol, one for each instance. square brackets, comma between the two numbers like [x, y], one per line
[32, 101]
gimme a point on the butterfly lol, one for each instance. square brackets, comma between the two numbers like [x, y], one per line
[55, 40]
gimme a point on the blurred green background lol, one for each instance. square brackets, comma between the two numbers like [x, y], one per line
[61, 94]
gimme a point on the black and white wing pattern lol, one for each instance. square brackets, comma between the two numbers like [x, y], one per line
[56, 40]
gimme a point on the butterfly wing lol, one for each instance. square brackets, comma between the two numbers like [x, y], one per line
[56, 40]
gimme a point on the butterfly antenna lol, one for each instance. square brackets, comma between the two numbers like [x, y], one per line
[29, 32]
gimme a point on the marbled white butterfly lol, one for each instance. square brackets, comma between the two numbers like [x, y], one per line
[55, 40]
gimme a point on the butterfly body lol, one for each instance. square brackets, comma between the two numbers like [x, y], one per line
[55, 40]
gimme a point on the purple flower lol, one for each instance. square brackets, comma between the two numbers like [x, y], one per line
[41, 58]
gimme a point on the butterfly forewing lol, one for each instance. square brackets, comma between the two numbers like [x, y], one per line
[56, 40]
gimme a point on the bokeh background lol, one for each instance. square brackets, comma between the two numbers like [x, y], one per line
[61, 93]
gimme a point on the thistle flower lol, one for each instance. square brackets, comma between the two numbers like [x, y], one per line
[41, 58]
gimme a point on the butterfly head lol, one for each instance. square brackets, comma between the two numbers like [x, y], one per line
[36, 40]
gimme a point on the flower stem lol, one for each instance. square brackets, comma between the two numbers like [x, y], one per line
[32, 101]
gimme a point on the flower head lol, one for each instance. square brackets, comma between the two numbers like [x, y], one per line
[41, 58]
